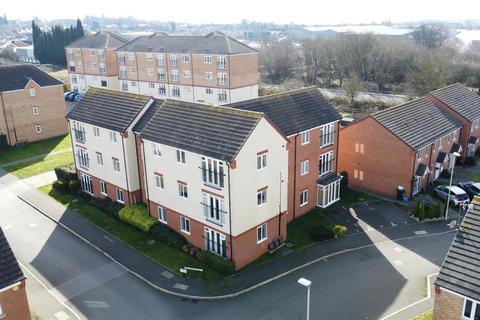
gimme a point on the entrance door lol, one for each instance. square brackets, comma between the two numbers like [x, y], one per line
[87, 183]
[438, 170]
[215, 242]
[416, 185]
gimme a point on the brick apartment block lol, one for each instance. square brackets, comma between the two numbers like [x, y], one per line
[31, 105]
[13, 296]
[457, 287]
[212, 69]
[408, 145]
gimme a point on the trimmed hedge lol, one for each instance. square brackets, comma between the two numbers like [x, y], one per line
[322, 232]
[165, 234]
[224, 266]
[65, 174]
[74, 185]
[339, 230]
[137, 216]
[60, 185]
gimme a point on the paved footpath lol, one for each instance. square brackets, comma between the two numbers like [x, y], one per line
[170, 282]
[41, 179]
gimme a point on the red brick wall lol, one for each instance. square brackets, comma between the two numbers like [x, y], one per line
[447, 306]
[131, 197]
[245, 247]
[296, 182]
[384, 160]
[15, 304]
[141, 168]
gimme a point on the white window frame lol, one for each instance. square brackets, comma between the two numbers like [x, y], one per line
[327, 134]
[173, 60]
[113, 136]
[186, 58]
[38, 128]
[261, 197]
[303, 197]
[181, 157]
[325, 163]
[162, 89]
[176, 91]
[35, 111]
[213, 172]
[120, 196]
[162, 215]
[186, 74]
[151, 85]
[261, 161]
[182, 190]
[185, 225]
[207, 59]
[304, 167]
[83, 158]
[330, 194]
[86, 183]
[32, 92]
[473, 310]
[215, 242]
[305, 137]
[157, 150]
[96, 132]
[116, 164]
[99, 157]
[174, 77]
[213, 208]
[208, 75]
[159, 181]
[262, 233]
[103, 188]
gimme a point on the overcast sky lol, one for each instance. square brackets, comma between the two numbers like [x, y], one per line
[228, 11]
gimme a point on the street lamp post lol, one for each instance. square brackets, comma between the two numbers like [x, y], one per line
[454, 155]
[306, 283]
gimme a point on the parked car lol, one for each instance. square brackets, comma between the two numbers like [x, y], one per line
[471, 188]
[78, 97]
[65, 95]
[457, 195]
[71, 96]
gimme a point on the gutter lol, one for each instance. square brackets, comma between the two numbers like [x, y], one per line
[126, 170]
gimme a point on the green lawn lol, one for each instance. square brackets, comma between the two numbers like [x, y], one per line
[476, 178]
[426, 316]
[31, 168]
[34, 149]
[298, 231]
[165, 255]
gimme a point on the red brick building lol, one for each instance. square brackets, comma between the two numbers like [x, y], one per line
[13, 295]
[408, 145]
[463, 105]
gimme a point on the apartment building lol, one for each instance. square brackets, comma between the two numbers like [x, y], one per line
[92, 61]
[216, 175]
[13, 294]
[32, 107]
[463, 105]
[212, 69]
[311, 125]
[104, 145]
[457, 293]
[408, 145]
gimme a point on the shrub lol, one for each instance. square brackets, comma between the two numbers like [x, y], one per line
[65, 174]
[429, 212]
[469, 161]
[73, 185]
[165, 234]
[224, 266]
[137, 216]
[339, 230]
[59, 185]
[438, 210]
[322, 232]
[421, 211]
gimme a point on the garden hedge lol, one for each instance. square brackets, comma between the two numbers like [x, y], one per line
[137, 216]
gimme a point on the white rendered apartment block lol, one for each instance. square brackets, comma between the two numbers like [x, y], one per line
[216, 175]
[104, 145]
[92, 61]
[212, 69]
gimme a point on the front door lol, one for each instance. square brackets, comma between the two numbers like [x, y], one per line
[416, 185]
[87, 183]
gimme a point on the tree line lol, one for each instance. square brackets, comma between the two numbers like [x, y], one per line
[421, 63]
[49, 46]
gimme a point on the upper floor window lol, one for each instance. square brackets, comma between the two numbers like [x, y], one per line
[32, 92]
[471, 310]
[149, 57]
[207, 59]
[160, 75]
[173, 61]
[133, 70]
[327, 134]
[82, 158]
[304, 167]
[212, 172]
[180, 156]
[222, 78]
[261, 197]
[262, 233]
[182, 190]
[208, 75]
[38, 128]
[121, 58]
[96, 131]
[79, 52]
[79, 132]
[113, 136]
[213, 208]
[326, 163]
[160, 60]
[305, 137]
[92, 52]
[159, 182]
[150, 72]
[175, 91]
[186, 58]
[174, 75]
[94, 65]
[222, 62]
[162, 90]
[35, 111]
[157, 150]
[186, 74]
[261, 161]
[116, 164]
[99, 158]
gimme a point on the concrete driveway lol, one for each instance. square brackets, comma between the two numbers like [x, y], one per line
[368, 216]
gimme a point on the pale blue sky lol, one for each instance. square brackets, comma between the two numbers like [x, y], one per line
[228, 11]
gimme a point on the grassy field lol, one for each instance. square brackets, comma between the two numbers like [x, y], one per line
[34, 149]
[426, 316]
[349, 197]
[165, 255]
[31, 168]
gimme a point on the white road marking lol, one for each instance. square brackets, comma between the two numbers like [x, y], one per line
[399, 263]
[61, 315]
[180, 286]
[398, 249]
[167, 274]
[420, 232]
[32, 225]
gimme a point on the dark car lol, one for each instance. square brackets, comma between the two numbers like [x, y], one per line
[471, 188]
[71, 96]
[65, 95]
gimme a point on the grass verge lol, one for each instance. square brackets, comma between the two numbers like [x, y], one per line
[163, 254]
[31, 168]
[34, 149]
[425, 316]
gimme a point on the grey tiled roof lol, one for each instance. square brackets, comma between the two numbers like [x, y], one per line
[99, 40]
[147, 116]
[10, 272]
[421, 170]
[293, 111]
[216, 132]
[110, 109]
[460, 271]
[16, 77]
[418, 122]
[441, 157]
[325, 181]
[215, 42]
[461, 99]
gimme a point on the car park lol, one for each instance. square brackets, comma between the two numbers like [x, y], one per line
[471, 188]
[457, 195]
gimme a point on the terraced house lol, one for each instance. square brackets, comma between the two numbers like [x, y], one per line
[408, 145]
[92, 61]
[202, 178]
[213, 69]
[311, 125]
[31, 105]
[463, 105]
[103, 143]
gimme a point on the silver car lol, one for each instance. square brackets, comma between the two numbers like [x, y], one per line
[457, 195]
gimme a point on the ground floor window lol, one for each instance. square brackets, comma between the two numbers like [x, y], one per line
[162, 214]
[328, 194]
[103, 188]
[304, 197]
[86, 182]
[120, 196]
[215, 242]
[185, 225]
[262, 233]
[471, 310]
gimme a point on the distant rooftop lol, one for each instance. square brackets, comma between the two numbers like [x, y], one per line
[461, 99]
[16, 77]
[99, 40]
[214, 43]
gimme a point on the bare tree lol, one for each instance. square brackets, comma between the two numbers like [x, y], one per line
[431, 35]
[277, 60]
[352, 86]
